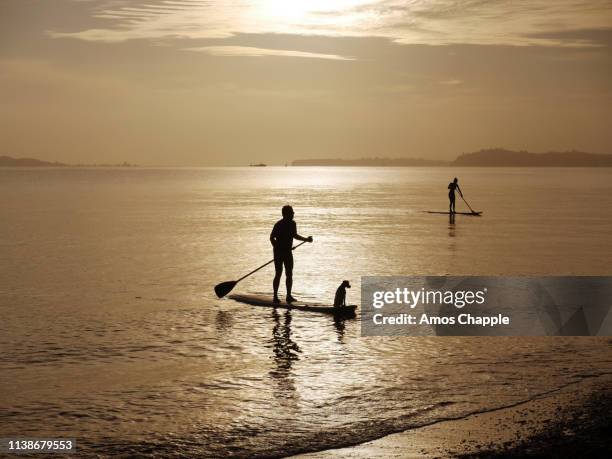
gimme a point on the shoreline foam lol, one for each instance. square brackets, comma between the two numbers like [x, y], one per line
[565, 419]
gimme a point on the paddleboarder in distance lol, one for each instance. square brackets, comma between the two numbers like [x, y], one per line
[281, 237]
[452, 186]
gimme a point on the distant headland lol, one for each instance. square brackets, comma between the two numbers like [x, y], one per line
[7, 161]
[500, 157]
[492, 157]
[388, 162]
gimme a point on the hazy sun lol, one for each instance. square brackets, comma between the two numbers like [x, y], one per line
[309, 12]
[288, 10]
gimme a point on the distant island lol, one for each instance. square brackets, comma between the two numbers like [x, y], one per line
[500, 157]
[373, 162]
[492, 157]
[7, 161]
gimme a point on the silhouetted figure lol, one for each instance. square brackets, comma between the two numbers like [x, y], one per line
[452, 186]
[281, 237]
[340, 298]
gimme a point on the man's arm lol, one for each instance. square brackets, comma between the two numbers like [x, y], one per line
[300, 238]
[459, 190]
[273, 236]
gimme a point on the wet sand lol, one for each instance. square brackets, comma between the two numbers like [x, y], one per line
[573, 421]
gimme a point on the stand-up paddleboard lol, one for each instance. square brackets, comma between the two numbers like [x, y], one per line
[263, 300]
[473, 214]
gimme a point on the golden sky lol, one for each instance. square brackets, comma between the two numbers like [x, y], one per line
[204, 82]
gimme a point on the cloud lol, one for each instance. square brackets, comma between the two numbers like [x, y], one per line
[435, 22]
[450, 82]
[260, 52]
[601, 37]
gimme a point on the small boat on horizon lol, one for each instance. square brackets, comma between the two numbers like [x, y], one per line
[258, 165]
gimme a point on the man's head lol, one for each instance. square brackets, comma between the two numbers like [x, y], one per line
[345, 284]
[455, 180]
[287, 212]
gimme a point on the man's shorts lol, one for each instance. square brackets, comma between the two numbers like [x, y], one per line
[283, 258]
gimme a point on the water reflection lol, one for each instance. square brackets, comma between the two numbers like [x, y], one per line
[286, 351]
[451, 225]
[223, 321]
[340, 326]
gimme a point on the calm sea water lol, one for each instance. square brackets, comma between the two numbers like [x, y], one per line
[111, 333]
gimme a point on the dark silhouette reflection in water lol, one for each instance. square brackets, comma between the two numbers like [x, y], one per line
[452, 241]
[286, 351]
[339, 325]
[224, 321]
[451, 225]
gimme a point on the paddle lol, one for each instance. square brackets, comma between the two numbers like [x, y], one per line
[473, 211]
[224, 288]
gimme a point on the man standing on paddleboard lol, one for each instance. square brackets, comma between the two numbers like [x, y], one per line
[452, 186]
[281, 237]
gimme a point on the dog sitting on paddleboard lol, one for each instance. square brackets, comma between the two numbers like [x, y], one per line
[340, 298]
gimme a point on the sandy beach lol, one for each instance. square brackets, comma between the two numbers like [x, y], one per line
[572, 421]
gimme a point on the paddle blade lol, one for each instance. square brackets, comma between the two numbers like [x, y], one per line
[224, 288]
